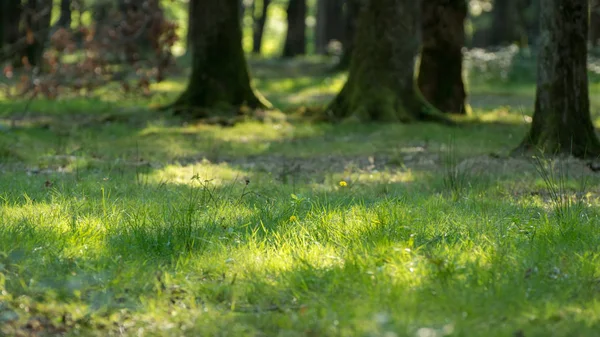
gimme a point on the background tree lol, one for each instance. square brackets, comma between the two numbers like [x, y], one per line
[381, 84]
[350, 21]
[330, 24]
[37, 29]
[10, 13]
[219, 77]
[260, 21]
[508, 22]
[561, 121]
[64, 20]
[440, 72]
[595, 22]
[295, 39]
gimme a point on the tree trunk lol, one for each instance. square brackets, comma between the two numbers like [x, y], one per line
[259, 26]
[38, 15]
[351, 18]
[440, 73]
[561, 121]
[533, 23]
[2, 23]
[381, 84]
[595, 22]
[219, 78]
[11, 15]
[65, 14]
[330, 24]
[191, 23]
[295, 40]
[507, 23]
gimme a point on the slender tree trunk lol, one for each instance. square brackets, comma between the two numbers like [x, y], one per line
[242, 11]
[507, 23]
[259, 26]
[219, 78]
[595, 22]
[65, 14]
[351, 18]
[440, 73]
[295, 40]
[381, 84]
[330, 24]
[561, 121]
[38, 15]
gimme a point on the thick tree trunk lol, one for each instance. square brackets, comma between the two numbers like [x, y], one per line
[595, 22]
[440, 72]
[65, 14]
[295, 40]
[219, 78]
[561, 121]
[351, 18]
[381, 84]
[259, 26]
[330, 24]
[38, 15]
[507, 23]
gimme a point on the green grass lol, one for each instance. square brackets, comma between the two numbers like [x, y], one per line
[117, 220]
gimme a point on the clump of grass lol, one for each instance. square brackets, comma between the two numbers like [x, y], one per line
[568, 207]
[455, 180]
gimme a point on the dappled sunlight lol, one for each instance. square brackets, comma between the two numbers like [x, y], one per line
[217, 174]
[502, 115]
[170, 86]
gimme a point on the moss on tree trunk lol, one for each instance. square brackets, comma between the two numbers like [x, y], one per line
[440, 72]
[561, 121]
[219, 79]
[381, 84]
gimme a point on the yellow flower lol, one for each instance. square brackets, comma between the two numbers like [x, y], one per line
[343, 184]
[293, 218]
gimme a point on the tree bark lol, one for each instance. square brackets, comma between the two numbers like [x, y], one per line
[65, 14]
[595, 22]
[259, 26]
[508, 23]
[295, 40]
[330, 24]
[440, 73]
[561, 121]
[351, 18]
[219, 78]
[381, 84]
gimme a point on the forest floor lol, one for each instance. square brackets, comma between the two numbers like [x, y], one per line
[117, 220]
